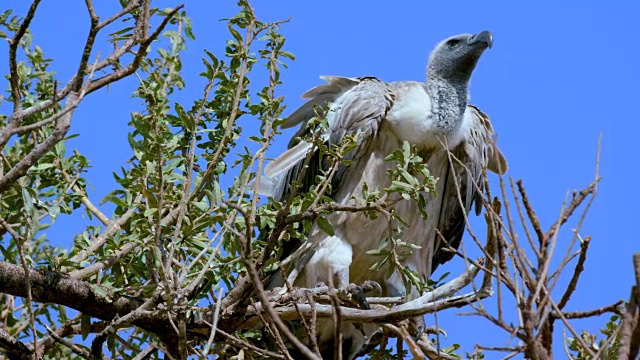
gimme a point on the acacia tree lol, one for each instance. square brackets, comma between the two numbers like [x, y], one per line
[177, 269]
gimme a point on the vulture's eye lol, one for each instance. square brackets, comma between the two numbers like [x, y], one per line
[453, 43]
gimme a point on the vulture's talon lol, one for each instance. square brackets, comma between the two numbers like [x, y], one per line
[434, 330]
[421, 331]
[358, 296]
[280, 290]
[417, 327]
[372, 288]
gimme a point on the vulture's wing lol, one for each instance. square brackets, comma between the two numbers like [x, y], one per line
[357, 105]
[477, 151]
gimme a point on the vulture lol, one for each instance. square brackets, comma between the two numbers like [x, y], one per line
[434, 117]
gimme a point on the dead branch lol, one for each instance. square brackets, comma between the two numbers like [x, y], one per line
[533, 218]
[613, 308]
[577, 198]
[579, 268]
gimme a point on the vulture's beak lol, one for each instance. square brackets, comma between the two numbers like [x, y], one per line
[484, 37]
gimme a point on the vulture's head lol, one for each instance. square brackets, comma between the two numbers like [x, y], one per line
[456, 57]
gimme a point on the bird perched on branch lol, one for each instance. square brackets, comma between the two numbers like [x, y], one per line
[454, 138]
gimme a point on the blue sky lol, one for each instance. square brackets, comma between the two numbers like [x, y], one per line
[559, 74]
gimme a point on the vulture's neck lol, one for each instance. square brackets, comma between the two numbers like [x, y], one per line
[448, 102]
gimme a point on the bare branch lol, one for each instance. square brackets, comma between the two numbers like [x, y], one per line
[533, 218]
[613, 308]
[98, 341]
[134, 4]
[146, 352]
[77, 350]
[434, 353]
[273, 315]
[337, 319]
[584, 246]
[414, 347]
[576, 200]
[14, 347]
[13, 62]
[577, 336]
[58, 133]
[246, 345]
[131, 68]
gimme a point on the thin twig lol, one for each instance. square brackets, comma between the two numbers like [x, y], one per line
[245, 345]
[146, 352]
[402, 332]
[214, 325]
[577, 337]
[533, 218]
[13, 63]
[77, 350]
[273, 315]
[579, 268]
[96, 345]
[613, 308]
[336, 316]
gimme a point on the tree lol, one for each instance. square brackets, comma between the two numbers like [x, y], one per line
[152, 279]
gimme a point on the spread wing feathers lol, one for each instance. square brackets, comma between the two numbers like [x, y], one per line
[358, 105]
[289, 158]
[476, 152]
[320, 96]
[496, 161]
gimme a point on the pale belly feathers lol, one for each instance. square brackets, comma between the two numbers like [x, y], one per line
[355, 234]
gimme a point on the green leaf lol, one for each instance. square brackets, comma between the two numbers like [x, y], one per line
[287, 54]
[157, 257]
[5, 15]
[85, 325]
[150, 211]
[187, 121]
[325, 226]
[202, 205]
[42, 166]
